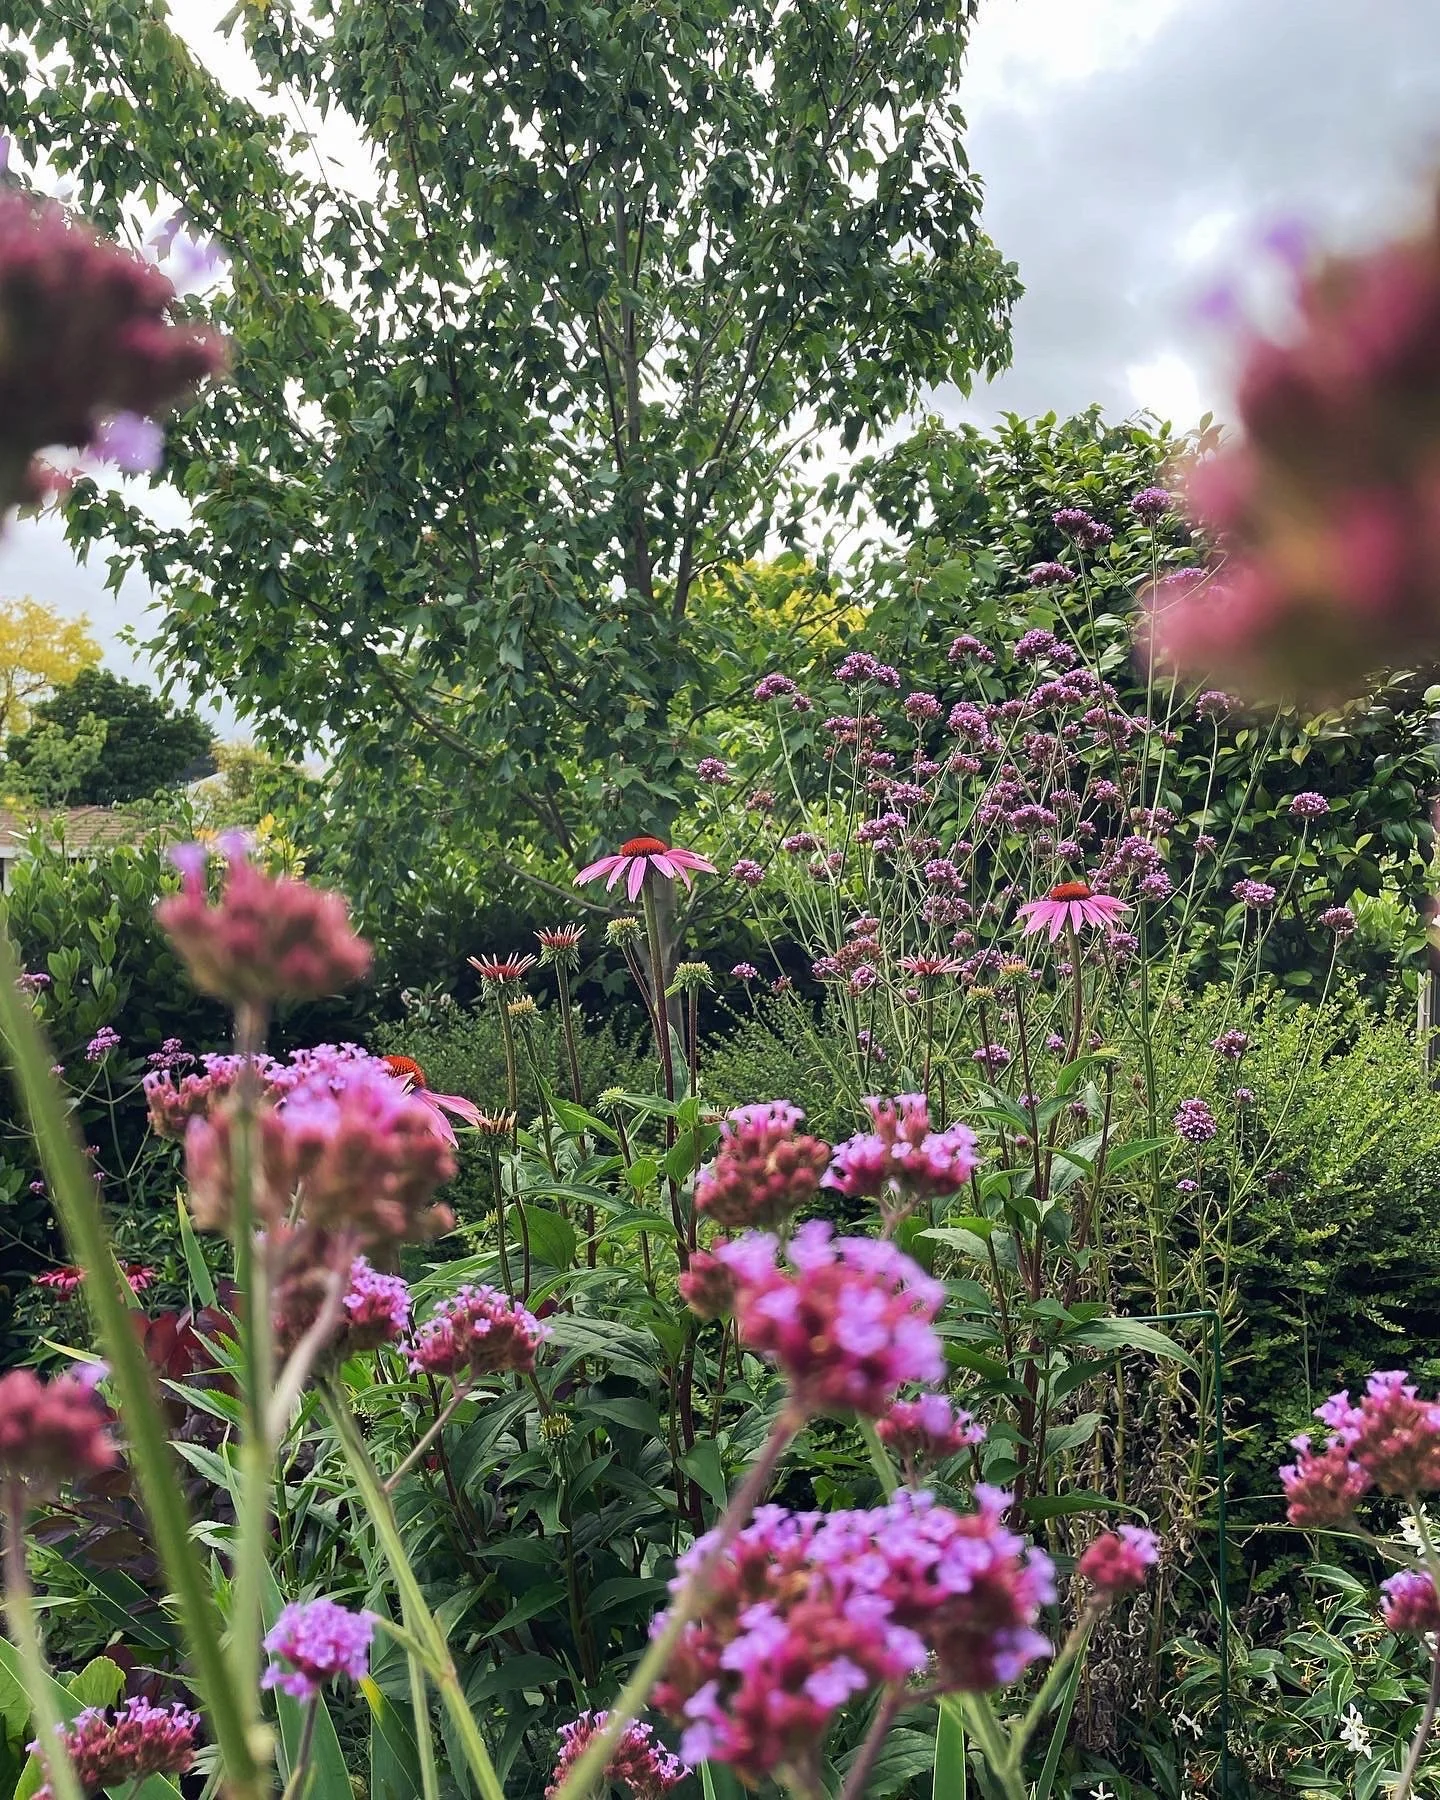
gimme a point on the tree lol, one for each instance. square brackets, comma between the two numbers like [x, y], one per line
[624, 269]
[101, 740]
[39, 651]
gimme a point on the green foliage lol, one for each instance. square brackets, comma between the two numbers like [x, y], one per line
[973, 512]
[568, 358]
[100, 740]
[1330, 1189]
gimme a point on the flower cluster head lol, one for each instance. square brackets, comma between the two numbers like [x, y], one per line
[926, 1431]
[638, 857]
[1049, 574]
[1321, 1487]
[707, 1287]
[639, 1762]
[366, 1152]
[84, 334]
[1408, 1602]
[744, 971]
[109, 1749]
[713, 770]
[805, 1611]
[1308, 805]
[52, 1431]
[319, 1639]
[1194, 1122]
[902, 1155]
[764, 1170]
[1152, 503]
[1232, 1045]
[847, 1319]
[1389, 1438]
[859, 666]
[477, 1331]
[1120, 1561]
[174, 1098]
[774, 687]
[1338, 919]
[377, 1307]
[266, 938]
[747, 871]
[1326, 507]
[104, 1041]
[1390, 1432]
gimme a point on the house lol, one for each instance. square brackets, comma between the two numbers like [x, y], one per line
[83, 830]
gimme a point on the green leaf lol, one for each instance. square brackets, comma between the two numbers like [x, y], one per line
[552, 1239]
[703, 1462]
[960, 1237]
[1061, 1506]
[1115, 1334]
[98, 1683]
[200, 1277]
[394, 1760]
[951, 1777]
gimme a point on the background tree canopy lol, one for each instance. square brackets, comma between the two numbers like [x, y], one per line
[101, 740]
[490, 428]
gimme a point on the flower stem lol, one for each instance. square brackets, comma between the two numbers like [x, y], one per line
[890, 1703]
[1073, 1646]
[985, 1729]
[442, 1419]
[232, 1710]
[586, 1770]
[1422, 1734]
[25, 1635]
[299, 1774]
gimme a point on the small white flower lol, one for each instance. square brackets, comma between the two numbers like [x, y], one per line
[1410, 1530]
[1354, 1732]
[1186, 1723]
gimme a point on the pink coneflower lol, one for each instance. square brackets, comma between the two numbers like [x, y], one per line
[64, 1281]
[639, 855]
[930, 968]
[499, 970]
[412, 1077]
[1070, 905]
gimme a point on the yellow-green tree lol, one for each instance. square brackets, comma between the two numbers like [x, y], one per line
[39, 652]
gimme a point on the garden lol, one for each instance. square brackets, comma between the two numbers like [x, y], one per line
[780, 1134]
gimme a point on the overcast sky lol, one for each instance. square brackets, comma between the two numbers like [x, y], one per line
[1134, 152]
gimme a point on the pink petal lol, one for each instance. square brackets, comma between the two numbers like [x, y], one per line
[596, 869]
[637, 875]
[622, 863]
[691, 859]
[1060, 918]
[664, 863]
[457, 1104]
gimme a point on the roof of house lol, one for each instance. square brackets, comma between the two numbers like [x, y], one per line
[81, 827]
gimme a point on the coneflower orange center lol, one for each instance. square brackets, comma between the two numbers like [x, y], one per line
[405, 1065]
[644, 846]
[1071, 890]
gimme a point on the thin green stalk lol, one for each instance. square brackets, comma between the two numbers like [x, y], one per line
[1072, 1648]
[25, 1635]
[418, 1616]
[424, 1743]
[232, 1710]
[300, 1774]
[985, 1729]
